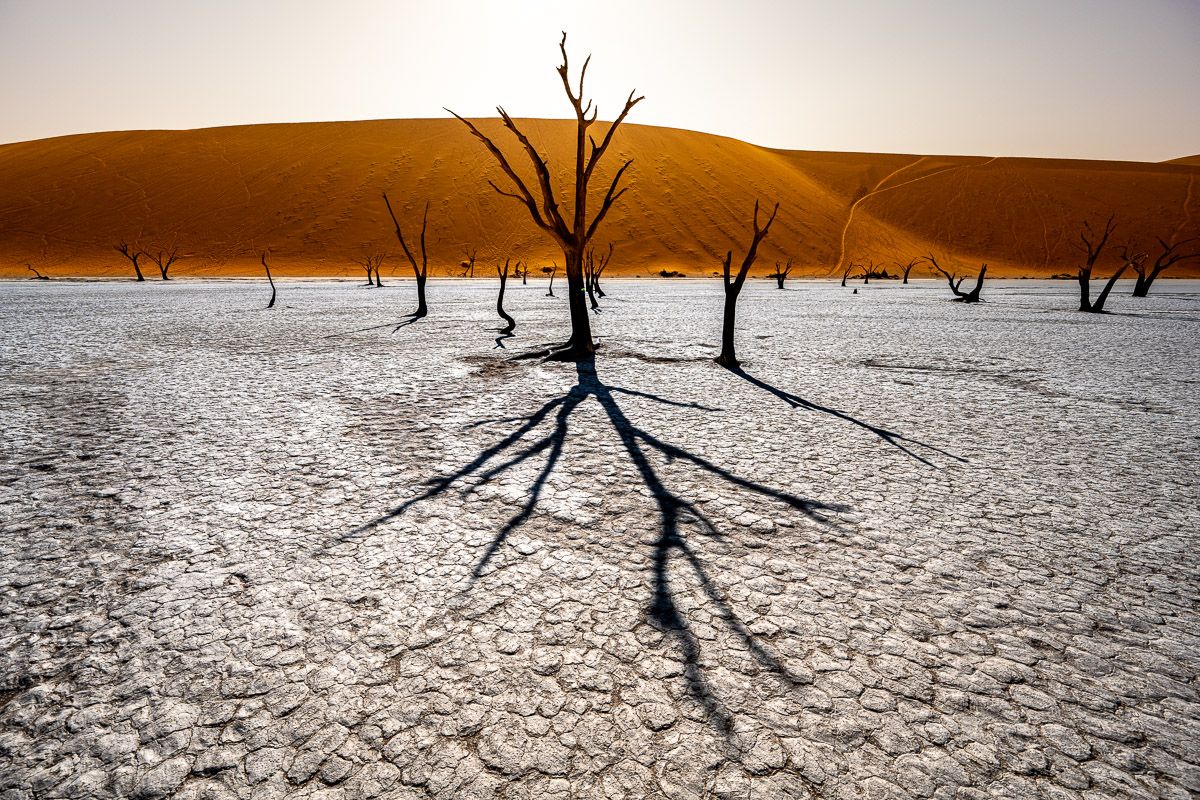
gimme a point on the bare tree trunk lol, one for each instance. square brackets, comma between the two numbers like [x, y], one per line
[955, 282]
[133, 255]
[512, 323]
[1098, 306]
[908, 267]
[378, 279]
[733, 288]
[1093, 247]
[38, 276]
[268, 269]
[550, 291]
[422, 271]
[1165, 260]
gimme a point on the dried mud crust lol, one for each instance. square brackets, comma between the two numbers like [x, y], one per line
[914, 549]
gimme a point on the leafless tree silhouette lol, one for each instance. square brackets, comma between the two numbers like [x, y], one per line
[133, 254]
[421, 272]
[163, 259]
[912, 262]
[269, 280]
[592, 270]
[955, 281]
[601, 265]
[1166, 259]
[1093, 243]
[780, 275]
[728, 357]
[850, 266]
[371, 264]
[507, 330]
[37, 275]
[468, 264]
[572, 237]
[551, 271]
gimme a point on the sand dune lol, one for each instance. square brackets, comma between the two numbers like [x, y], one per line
[311, 193]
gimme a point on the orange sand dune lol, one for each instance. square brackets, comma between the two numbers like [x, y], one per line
[311, 193]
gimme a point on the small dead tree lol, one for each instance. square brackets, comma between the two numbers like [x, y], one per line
[850, 266]
[422, 271]
[956, 282]
[589, 275]
[37, 275]
[1166, 259]
[1092, 245]
[371, 264]
[468, 264]
[908, 267]
[728, 356]
[164, 259]
[781, 275]
[269, 280]
[551, 271]
[524, 273]
[133, 254]
[571, 236]
[512, 323]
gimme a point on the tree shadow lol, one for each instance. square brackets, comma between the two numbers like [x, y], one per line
[899, 441]
[678, 517]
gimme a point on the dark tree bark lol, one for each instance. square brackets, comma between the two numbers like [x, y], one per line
[956, 282]
[728, 356]
[37, 275]
[781, 275]
[1093, 246]
[601, 265]
[552, 273]
[133, 255]
[371, 264]
[164, 259]
[512, 323]
[422, 271]
[573, 236]
[589, 278]
[524, 273]
[1167, 258]
[908, 267]
[268, 269]
[1098, 305]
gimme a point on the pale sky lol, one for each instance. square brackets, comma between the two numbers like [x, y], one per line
[1064, 78]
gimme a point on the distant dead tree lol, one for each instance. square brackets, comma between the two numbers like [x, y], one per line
[269, 280]
[523, 274]
[1167, 258]
[1093, 245]
[908, 267]
[164, 259]
[37, 275]
[468, 264]
[850, 266]
[600, 266]
[956, 282]
[551, 271]
[133, 255]
[781, 275]
[422, 271]
[370, 264]
[728, 357]
[512, 323]
[573, 237]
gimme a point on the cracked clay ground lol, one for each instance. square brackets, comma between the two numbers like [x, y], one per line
[916, 549]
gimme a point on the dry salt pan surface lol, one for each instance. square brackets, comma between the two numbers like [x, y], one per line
[916, 549]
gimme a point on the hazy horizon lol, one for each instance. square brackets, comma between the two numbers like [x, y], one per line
[1103, 80]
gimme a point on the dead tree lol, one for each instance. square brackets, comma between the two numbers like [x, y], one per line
[573, 236]
[956, 282]
[601, 265]
[728, 357]
[468, 265]
[1092, 245]
[512, 323]
[524, 273]
[867, 272]
[908, 267]
[268, 269]
[589, 274]
[164, 259]
[37, 275]
[1166, 259]
[551, 271]
[133, 255]
[781, 275]
[370, 264]
[850, 265]
[422, 271]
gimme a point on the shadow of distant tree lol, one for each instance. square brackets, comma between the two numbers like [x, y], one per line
[902, 443]
[678, 517]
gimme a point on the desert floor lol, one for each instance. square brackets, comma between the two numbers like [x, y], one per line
[916, 549]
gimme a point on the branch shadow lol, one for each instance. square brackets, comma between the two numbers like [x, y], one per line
[903, 443]
[678, 517]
